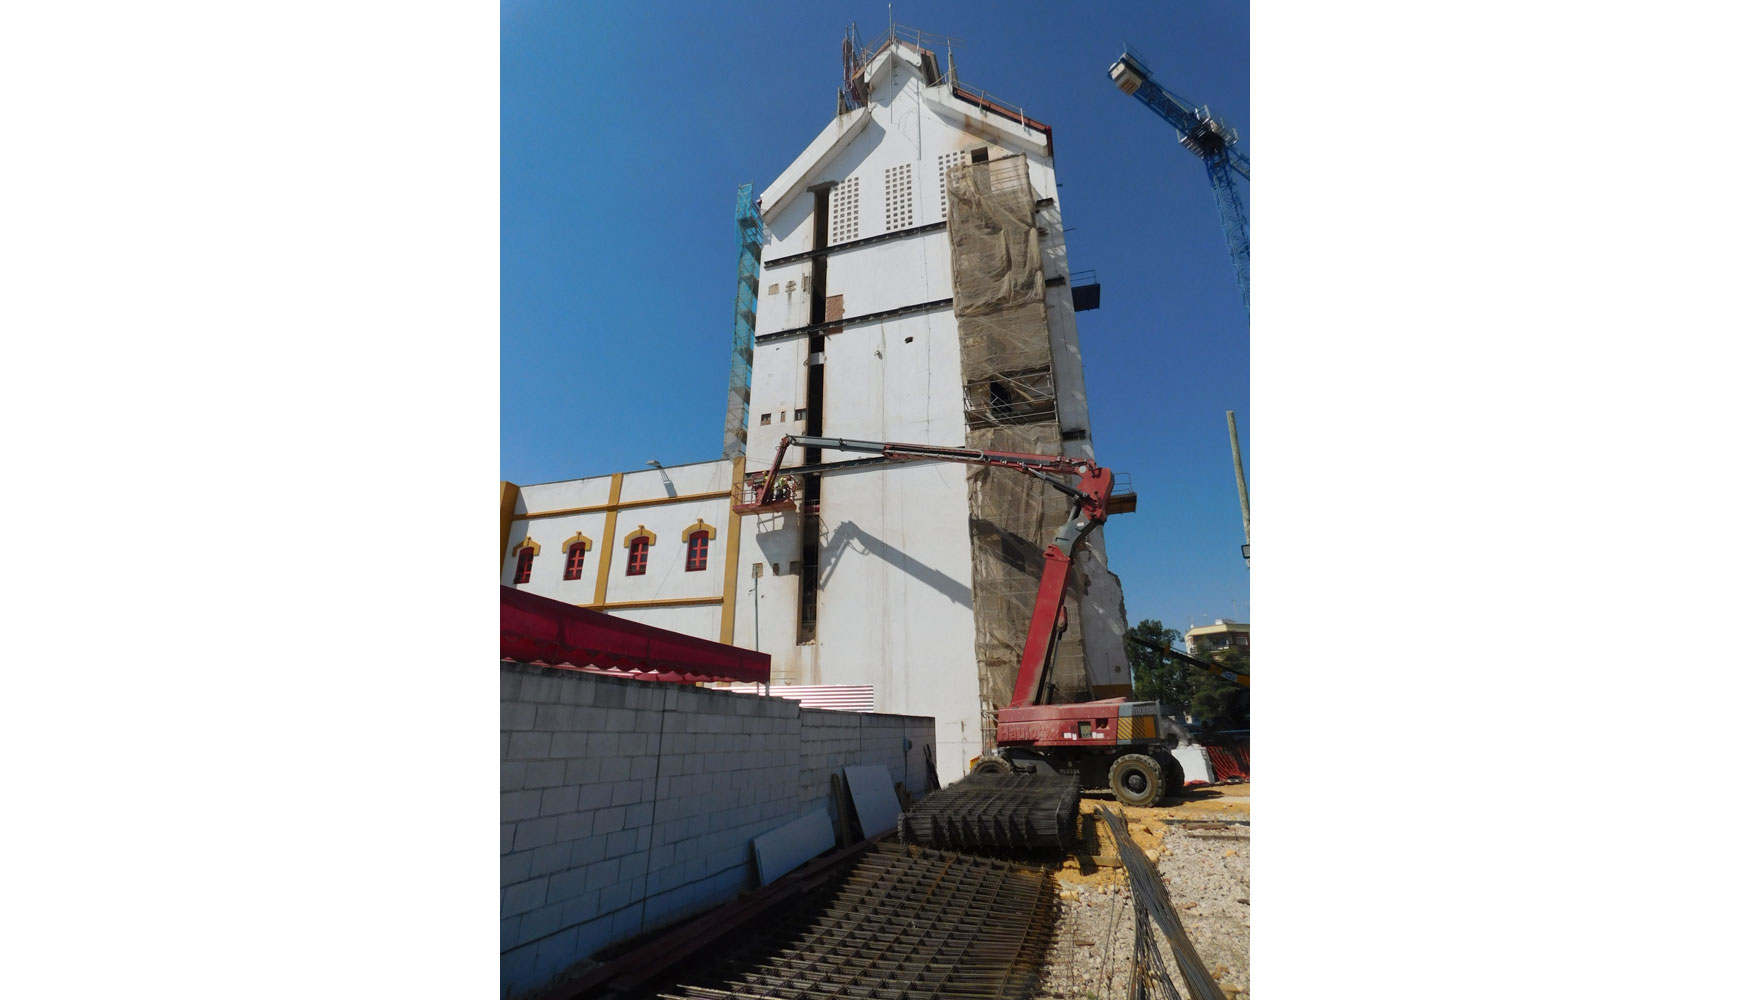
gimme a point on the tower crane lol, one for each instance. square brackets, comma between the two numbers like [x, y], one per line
[1212, 141]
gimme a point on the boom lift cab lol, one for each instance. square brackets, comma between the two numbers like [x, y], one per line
[1126, 745]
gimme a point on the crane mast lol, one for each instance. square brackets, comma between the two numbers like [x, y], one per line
[1209, 140]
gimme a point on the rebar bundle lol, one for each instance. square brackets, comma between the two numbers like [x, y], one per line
[997, 814]
[904, 922]
[1152, 902]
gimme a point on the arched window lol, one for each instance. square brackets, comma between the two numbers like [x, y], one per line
[637, 556]
[698, 547]
[525, 563]
[574, 561]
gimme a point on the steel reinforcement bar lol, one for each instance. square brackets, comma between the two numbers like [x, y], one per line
[905, 922]
[997, 814]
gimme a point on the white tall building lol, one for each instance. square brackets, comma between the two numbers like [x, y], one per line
[913, 288]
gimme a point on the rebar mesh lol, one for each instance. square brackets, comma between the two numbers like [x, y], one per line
[905, 922]
[997, 814]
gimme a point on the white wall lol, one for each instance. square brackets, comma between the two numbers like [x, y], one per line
[627, 805]
[666, 576]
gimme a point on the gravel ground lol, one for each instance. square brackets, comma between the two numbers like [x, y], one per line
[1207, 871]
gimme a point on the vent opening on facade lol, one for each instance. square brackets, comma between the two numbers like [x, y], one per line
[844, 211]
[898, 181]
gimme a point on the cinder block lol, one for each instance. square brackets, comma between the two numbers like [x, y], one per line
[632, 744]
[649, 723]
[509, 685]
[604, 744]
[575, 826]
[609, 820]
[513, 806]
[529, 746]
[568, 884]
[511, 775]
[537, 924]
[514, 868]
[523, 897]
[640, 814]
[616, 769]
[610, 693]
[601, 874]
[553, 718]
[549, 859]
[634, 865]
[588, 851]
[555, 801]
[516, 715]
[628, 792]
[506, 837]
[582, 772]
[531, 833]
[620, 720]
[545, 774]
[566, 745]
[507, 930]
[595, 796]
[624, 842]
[616, 896]
[581, 909]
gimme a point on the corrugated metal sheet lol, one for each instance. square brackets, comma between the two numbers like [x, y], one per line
[837, 697]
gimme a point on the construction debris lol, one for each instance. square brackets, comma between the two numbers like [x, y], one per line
[997, 814]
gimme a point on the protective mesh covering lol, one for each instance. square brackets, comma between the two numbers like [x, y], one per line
[1005, 358]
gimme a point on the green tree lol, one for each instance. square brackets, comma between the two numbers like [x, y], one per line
[1153, 675]
[1218, 703]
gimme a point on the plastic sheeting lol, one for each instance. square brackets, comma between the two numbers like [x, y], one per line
[1005, 357]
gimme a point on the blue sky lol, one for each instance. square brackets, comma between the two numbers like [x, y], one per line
[626, 129]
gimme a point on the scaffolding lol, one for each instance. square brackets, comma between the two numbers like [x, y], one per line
[1010, 396]
[750, 232]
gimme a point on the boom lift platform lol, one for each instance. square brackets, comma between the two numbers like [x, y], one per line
[1126, 745]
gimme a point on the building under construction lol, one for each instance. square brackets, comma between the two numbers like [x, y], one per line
[905, 279]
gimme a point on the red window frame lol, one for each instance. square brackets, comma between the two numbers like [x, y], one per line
[574, 561]
[525, 564]
[637, 556]
[698, 550]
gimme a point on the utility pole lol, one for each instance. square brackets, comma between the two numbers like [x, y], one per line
[1233, 437]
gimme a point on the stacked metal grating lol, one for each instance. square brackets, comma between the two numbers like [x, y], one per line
[997, 814]
[904, 922]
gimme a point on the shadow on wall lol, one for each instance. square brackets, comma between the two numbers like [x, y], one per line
[848, 537]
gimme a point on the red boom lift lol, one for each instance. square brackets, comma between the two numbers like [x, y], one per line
[1124, 744]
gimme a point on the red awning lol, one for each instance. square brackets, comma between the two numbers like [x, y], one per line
[532, 628]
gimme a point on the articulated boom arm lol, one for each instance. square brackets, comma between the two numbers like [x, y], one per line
[1092, 494]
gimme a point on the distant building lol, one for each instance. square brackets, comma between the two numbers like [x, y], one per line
[1224, 634]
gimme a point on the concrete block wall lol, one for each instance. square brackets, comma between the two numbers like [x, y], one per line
[626, 805]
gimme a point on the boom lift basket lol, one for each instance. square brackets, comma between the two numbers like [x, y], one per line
[747, 500]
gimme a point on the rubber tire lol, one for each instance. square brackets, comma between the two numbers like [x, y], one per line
[994, 765]
[1174, 774]
[1140, 770]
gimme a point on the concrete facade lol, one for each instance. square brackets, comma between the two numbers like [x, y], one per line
[894, 604]
[605, 512]
[627, 805]
[893, 550]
